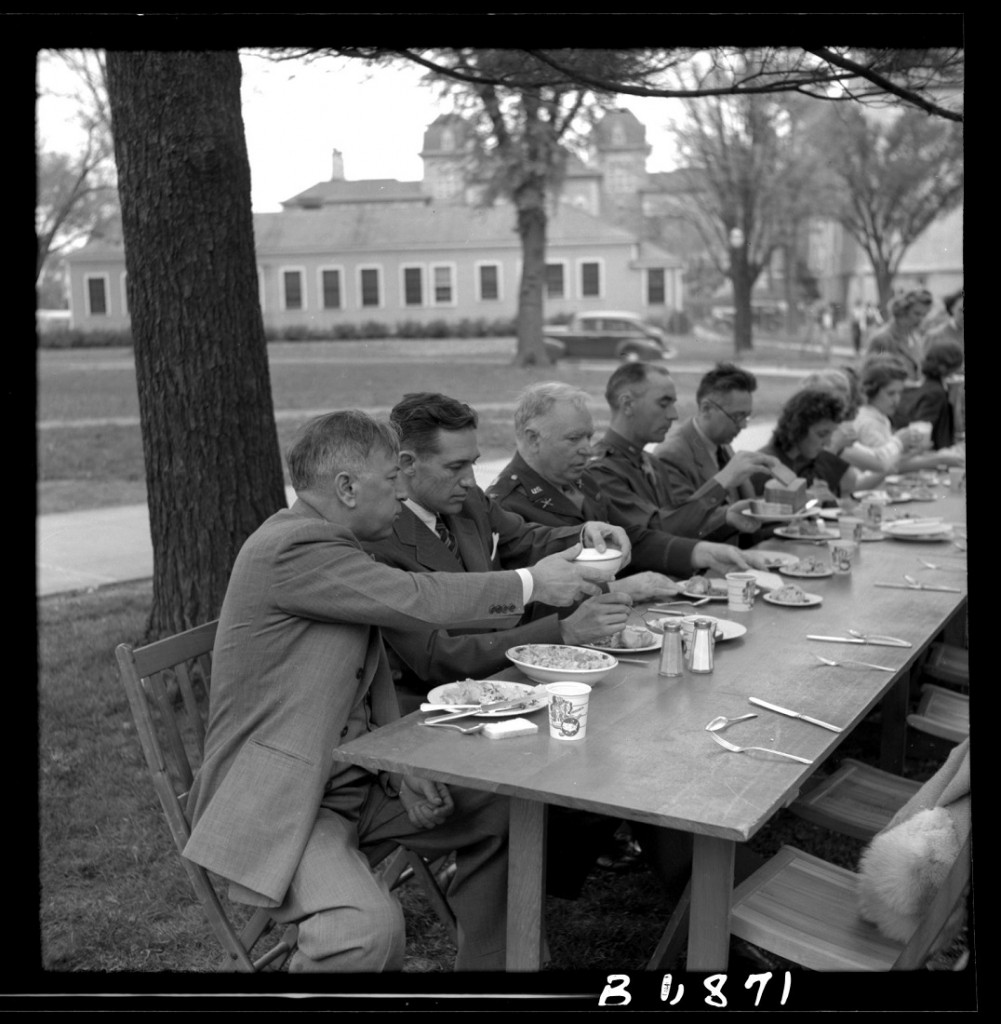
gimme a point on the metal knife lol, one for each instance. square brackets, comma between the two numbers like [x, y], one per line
[497, 705]
[856, 640]
[920, 586]
[794, 714]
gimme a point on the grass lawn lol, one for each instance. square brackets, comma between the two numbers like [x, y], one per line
[85, 464]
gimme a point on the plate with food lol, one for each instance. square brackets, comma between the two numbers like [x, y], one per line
[791, 596]
[918, 529]
[703, 586]
[807, 529]
[805, 567]
[483, 691]
[831, 513]
[724, 629]
[767, 516]
[629, 638]
[551, 663]
[764, 560]
[923, 493]
[891, 495]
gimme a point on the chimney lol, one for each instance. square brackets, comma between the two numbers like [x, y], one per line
[337, 173]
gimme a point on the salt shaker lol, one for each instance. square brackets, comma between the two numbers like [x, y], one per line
[671, 658]
[700, 653]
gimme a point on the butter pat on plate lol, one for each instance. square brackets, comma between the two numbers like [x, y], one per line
[509, 727]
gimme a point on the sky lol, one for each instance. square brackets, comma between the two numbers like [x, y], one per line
[295, 114]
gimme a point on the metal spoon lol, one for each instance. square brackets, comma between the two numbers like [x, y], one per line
[944, 568]
[765, 750]
[721, 722]
[465, 729]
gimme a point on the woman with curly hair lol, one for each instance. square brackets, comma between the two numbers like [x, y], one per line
[800, 441]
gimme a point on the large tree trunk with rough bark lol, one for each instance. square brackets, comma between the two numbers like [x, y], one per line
[213, 469]
[740, 277]
[532, 231]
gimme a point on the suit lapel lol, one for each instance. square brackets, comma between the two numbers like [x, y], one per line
[474, 558]
[425, 547]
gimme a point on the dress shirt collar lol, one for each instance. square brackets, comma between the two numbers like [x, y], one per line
[429, 519]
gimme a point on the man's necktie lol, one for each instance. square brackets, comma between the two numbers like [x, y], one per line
[722, 456]
[446, 536]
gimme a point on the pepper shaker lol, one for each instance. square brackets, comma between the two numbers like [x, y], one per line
[671, 657]
[700, 653]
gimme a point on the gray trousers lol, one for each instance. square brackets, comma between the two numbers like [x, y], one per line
[349, 920]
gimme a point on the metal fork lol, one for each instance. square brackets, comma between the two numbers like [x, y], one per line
[852, 661]
[944, 568]
[466, 729]
[764, 750]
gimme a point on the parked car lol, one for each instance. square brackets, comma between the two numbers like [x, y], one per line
[607, 334]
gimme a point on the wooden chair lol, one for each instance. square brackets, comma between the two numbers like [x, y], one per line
[167, 684]
[943, 713]
[804, 909]
[857, 800]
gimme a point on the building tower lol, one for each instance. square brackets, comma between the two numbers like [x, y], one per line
[619, 150]
[447, 143]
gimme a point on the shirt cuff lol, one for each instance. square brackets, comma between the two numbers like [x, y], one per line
[527, 585]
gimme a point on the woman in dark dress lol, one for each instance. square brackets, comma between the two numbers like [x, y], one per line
[930, 402]
[800, 442]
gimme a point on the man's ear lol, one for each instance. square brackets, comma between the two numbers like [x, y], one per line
[531, 439]
[346, 488]
[408, 461]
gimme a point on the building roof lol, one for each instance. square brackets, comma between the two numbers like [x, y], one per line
[653, 255]
[371, 190]
[377, 228]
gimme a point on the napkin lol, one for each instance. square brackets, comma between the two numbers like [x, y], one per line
[767, 580]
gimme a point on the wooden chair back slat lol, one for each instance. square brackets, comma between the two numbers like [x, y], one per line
[186, 681]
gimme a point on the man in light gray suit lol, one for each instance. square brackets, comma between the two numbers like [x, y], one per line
[299, 668]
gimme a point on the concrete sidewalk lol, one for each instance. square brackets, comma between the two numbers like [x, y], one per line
[85, 550]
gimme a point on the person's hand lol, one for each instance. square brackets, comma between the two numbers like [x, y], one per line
[764, 560]
[743, 465]
[427, 803]
[557, 581]
[912, 440]
[723, 558]
[645, 586]
[842, 436]
[821, 491]
[735, 516]
[599, 535]
[597, 617]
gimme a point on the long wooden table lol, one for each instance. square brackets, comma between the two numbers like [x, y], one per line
[647, 757]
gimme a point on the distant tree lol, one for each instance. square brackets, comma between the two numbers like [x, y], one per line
[751, 176]
[76, 195]
[213, 470]
[890, 177]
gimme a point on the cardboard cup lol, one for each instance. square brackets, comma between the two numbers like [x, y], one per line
[843, 555]
[740, 588]
[568, 710]
[921, 429]
[851, 528]
[957, 476]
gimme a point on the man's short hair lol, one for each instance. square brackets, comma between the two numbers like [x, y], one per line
[880, 370]
[627, 376]
[537, 400]
[724, 378]
[336, 442]
[419, 416]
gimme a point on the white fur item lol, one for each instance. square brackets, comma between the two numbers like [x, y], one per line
[902, 870]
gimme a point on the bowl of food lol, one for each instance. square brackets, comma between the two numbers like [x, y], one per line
[610, 558]
[551, 663]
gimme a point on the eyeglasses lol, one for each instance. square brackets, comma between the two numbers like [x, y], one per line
[739, 420]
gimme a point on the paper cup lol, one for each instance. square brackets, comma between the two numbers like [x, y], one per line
[921, 430]
[843, 554]
[851, 528]
[957, 477]
[871, 511]
[740, 588]
[568, 710]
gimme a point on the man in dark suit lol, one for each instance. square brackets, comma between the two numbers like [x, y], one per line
[449, 525]
[298, 668]
[704, 475]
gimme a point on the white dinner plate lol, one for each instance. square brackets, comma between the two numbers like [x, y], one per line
[799, 574]
[891, 497]
[790, 533]
[903, 530]
[498, 690]
[728, 629]
[625, 651]
[766, 580]
[778, 517]
[812, 602]
[831, 513]
[773, 559]
[714, 596]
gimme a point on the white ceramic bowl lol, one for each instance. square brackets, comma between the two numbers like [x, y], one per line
[541, 663]
[610, 558]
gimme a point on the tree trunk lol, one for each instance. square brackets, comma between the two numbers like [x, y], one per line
[742, 282]
[884, 286]
[532, 231]
[213, 470]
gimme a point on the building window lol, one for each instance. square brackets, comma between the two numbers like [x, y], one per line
[370, 287]
[590, 279]
[443, 284]
[555, 283]
[488, 281]
[97, 295]
[293, 296]
[655, 287]
[330, 288]
[413, 286]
